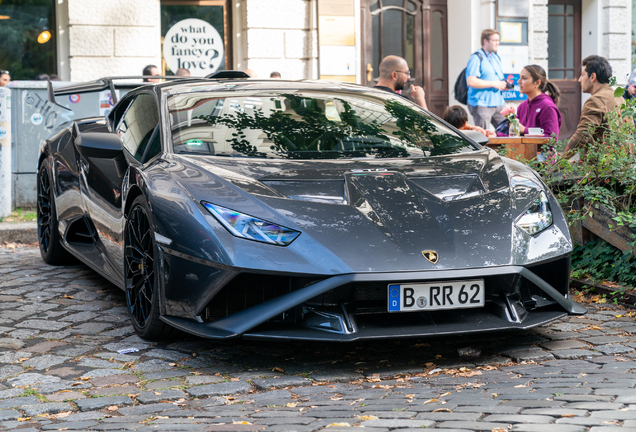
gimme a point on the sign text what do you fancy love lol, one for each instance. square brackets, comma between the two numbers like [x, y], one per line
[195, 45]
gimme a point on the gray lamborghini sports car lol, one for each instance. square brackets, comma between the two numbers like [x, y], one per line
[300, 210]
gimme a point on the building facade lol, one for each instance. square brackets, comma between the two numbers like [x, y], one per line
[313, 39]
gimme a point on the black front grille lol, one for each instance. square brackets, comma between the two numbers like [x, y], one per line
[527, 290]
[371, 292]
[248, 289]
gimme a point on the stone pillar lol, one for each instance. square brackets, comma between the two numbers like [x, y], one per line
[538, 33]
[5, 152]
[278, 35]
[616, 22]
[111, 37]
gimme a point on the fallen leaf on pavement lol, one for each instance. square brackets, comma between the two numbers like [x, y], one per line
[385, 387]
[469, 374]
[113, 408]
[339, 425]
[277, 369]
[368, 417]
[442, 410]
[292, 405]
[567, 415]
[430, 401]
[241, 422]
[23, 419]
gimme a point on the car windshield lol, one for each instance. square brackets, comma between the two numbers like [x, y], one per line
[307, 125]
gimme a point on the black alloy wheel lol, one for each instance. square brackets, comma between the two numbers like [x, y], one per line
[140, 266]
[49, 239]
[44, 210]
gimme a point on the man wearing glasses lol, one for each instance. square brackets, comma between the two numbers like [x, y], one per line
[485, 80]
[5, 78]
[394, 74]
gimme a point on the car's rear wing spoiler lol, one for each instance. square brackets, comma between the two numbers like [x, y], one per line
[108, 83]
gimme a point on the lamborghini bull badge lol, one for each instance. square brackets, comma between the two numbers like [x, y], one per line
[431, 255]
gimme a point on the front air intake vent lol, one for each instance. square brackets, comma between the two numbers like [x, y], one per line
[81, 231]
[249, 289]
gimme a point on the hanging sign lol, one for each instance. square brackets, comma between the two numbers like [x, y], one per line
[195, 45]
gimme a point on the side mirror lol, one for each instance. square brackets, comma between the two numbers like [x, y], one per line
[101, 145]
[476, 136]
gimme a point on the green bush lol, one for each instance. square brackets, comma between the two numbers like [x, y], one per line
[600, 261]
[605, 175]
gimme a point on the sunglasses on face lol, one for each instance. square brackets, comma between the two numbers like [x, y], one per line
[3, 72]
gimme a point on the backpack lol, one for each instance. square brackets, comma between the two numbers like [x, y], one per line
[461, 88]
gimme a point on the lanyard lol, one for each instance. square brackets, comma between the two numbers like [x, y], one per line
[492, 64]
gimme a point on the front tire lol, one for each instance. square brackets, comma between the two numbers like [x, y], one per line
[142, 275]
[49, 237]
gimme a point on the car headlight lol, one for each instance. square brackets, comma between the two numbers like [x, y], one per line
[251, 228]
[538, 217]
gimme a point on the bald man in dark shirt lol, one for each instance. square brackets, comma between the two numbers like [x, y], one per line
[394, 74]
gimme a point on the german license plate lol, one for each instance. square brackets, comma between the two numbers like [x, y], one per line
[414, 297]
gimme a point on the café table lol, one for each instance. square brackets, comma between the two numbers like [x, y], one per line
[519, 147]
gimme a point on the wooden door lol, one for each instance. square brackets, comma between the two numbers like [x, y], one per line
[564, 60]
[415, 30]
[436, 55]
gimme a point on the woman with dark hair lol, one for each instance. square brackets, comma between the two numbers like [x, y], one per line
[540, 110]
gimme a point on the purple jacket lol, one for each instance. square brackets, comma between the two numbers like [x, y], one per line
[540, 112]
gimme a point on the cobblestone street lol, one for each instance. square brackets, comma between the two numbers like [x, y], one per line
[61, 368]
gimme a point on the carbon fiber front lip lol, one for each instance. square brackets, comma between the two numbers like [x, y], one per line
[242, 322]
[473, 322]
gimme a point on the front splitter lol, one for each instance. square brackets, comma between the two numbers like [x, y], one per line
[462, 323]
[457, 323]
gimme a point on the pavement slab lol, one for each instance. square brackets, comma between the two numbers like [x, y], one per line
[91, 404]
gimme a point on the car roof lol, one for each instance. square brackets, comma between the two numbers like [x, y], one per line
[199, 85]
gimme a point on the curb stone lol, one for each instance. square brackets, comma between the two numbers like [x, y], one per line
[22, 232]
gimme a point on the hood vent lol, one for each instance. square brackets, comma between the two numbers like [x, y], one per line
[450, 188]
[323, 191]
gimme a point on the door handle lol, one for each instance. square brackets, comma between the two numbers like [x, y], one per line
[369, 73]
